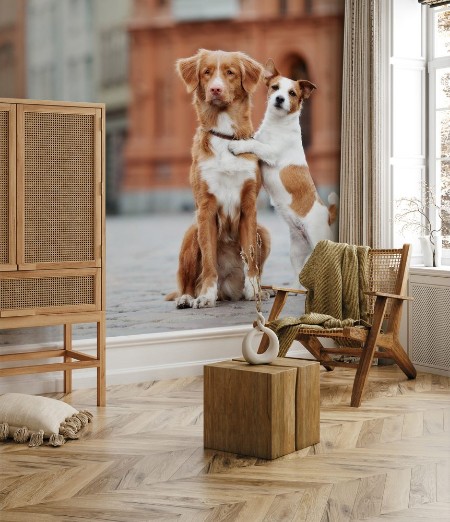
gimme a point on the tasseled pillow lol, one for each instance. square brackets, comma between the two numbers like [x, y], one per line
[31, 418]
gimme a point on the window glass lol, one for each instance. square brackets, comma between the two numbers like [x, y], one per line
[405, 42]
[407, 112]
[443, 176]
[439, 69]
[443, 88]
[443, 134]
[442, 33]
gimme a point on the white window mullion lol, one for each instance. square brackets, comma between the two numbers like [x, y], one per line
[431, 177]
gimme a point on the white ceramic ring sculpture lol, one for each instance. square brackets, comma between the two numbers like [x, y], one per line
[250, 353]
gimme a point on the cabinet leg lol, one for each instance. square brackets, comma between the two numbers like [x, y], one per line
[101, 382]
[67, 346]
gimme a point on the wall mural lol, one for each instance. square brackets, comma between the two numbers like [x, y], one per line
[284, 78]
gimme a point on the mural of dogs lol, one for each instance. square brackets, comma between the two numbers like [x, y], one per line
[225, 187]
[286, 176]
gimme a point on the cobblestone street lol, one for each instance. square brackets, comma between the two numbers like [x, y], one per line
[142, 259]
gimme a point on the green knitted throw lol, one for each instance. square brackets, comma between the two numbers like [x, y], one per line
[336, 277]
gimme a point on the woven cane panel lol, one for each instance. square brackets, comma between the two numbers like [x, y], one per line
[59, 187]
[431, 325]
[383, 273]
[19, 294]
[4, 168]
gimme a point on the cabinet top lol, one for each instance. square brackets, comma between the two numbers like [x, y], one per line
[59, 103]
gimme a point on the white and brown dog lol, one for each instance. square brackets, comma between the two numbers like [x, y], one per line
[225, 186]
[286, 177]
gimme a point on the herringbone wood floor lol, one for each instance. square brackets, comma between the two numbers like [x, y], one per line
[142, 459]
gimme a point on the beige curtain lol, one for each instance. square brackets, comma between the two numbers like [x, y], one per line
[361, 205]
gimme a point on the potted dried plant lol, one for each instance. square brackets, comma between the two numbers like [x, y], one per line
[413, 214]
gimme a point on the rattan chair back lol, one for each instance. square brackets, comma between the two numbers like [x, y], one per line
[384, 276]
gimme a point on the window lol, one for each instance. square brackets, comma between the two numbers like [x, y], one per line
[419, 72]
[282, 7]
[8, 69]
[407, 116]
[439, 116]
[114, 56]
[204, 10]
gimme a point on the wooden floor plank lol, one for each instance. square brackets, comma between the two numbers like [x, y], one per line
[436, 511]
[142, 458]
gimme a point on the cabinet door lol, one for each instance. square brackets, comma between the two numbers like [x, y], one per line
[36, 292]
[59, 187]
[7, 187]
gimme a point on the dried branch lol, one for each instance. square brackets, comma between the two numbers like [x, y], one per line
[415, 215]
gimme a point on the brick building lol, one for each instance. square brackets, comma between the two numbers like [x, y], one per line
[304, 37]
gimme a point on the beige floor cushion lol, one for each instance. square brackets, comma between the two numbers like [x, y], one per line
[31, 418]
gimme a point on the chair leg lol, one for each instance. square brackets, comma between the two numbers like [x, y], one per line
[101, 382]
[314, 346]
[402, 360]
[278, 304]
[365, 361]
[67, 346]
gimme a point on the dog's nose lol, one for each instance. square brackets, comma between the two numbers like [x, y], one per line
[279, 99]
[216, 90]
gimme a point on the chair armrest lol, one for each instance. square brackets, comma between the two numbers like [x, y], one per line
[281, 294]
[284, 289]
[390, 296]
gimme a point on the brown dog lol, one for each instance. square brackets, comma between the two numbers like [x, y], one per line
[225, 187]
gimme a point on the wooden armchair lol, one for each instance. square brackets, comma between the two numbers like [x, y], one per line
[388, 274]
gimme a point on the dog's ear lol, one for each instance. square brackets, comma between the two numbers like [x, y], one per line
[270, 71]
[251, 72]
[306, 88]
[187, 68]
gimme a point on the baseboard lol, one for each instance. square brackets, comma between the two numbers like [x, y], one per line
[141, 358]
[431, 369]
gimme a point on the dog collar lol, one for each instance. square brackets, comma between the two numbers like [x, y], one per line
[225, 136]
[221, 135]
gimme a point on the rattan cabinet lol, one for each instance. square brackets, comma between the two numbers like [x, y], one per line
[52, 241]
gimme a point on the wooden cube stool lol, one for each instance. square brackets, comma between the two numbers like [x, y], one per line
[264, 411]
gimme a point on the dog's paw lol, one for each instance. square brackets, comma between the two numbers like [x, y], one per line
[250, 286]
[270, 293]
[249, 290]
[269, 158]
[203, 301]
[185, 301]
[265, 295]
[238, 147]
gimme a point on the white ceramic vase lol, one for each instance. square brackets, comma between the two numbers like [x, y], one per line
[427, 251]
[438, 250]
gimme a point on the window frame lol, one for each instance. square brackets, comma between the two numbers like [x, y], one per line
[428, 160]
[433, 64]
[391, 63]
